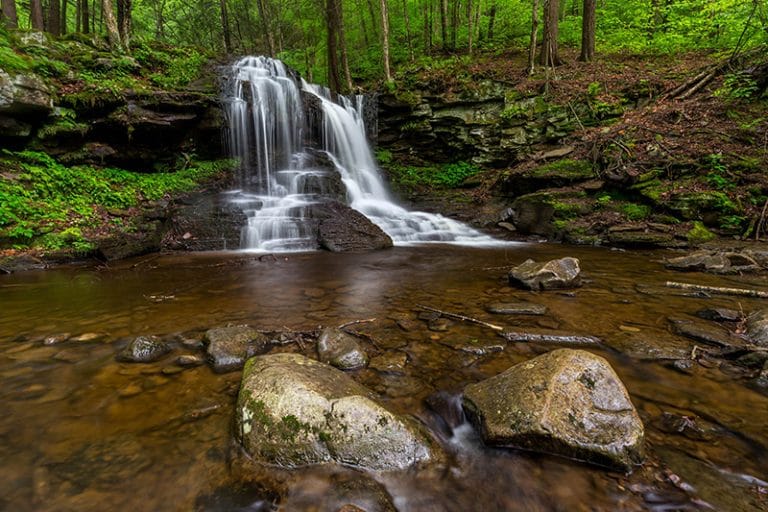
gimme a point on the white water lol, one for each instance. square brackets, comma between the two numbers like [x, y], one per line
[267, 126]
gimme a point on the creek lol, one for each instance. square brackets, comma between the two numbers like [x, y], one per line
[81, 431]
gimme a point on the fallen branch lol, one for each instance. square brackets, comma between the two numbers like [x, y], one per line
[744, 292]
[463, 318]
[529, 337]
[356, 322]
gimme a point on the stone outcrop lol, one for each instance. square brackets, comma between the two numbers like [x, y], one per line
[757, 327]
[294, 411]
[566, 402]
[554, 274]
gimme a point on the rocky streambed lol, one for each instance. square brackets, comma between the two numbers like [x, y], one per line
[125, 385]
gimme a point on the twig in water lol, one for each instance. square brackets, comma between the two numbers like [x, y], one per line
[462, 317]
[366, 337]
[744, 292]
[529, 337]
[355, 322]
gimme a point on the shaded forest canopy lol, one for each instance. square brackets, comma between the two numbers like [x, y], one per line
[343, 42]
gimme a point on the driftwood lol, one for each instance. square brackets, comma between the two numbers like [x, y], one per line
[356, 322]
[529, 337]
[463, 318]
[742, 292]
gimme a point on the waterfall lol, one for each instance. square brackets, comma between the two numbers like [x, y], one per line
[282, 175]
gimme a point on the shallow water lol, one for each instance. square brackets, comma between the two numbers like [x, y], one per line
[81, 431]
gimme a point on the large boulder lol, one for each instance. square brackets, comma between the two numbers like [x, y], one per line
[341, 350]
[562, 273]
[757, 327]
[293, 411]
[229, 347]
[24, 94]
[566, 402]
[343, 229]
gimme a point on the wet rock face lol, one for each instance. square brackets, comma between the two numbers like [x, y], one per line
[554, 274]
[294, 411]
[757, 327]
[144, 349]
[342, 229]
[229, 347]
[566, 402]
[341, 350]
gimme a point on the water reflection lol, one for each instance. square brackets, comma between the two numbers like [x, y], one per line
[83, 432]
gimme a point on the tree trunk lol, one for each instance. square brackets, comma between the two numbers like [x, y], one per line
[64, 4]
[588, 31]
[10, 18]
[407, 19]
[343, 46]
[266, 26]
[225, 26]
[534, 34]
[85, 24]
[549, 53]
[444, 22]
[469, 26]
[492, 19]
[332, 46]
[385, 39]
[54, 17]
[374, 18]
[113, 35]
[454, 23]
[124, 10]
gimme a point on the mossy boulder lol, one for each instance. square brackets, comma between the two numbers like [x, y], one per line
[293, 411]
[565, 402]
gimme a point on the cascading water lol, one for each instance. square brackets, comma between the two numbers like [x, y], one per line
[280, 178]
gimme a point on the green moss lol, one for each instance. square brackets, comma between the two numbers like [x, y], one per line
[49, 204]
[569, 169]
[699, 234]
[635, 212]
[409, 178]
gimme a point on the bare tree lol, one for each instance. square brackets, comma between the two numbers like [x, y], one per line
[113, 34]
[534, 34]
[10, 18]
[385, 39]
[549, 53]
[588, 31]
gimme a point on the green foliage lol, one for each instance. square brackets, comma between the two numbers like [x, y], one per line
[437, 176]
[48, 204]
[738, 86]
[635, 212]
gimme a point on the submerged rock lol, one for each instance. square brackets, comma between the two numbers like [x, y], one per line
[566, 402]
[757, 327]
[341, 350]
[293, 411]
[554, 274]
[516, 308]
[716, 262]
[229, 347]
[144, 349]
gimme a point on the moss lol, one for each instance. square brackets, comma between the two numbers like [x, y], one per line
[566, 168]
[635, 212]
[699, 234]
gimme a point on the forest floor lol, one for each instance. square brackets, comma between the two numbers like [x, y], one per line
[711, 138]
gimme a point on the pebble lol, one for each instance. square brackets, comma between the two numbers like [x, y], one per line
[189, 360]
[89, 337]
[55, 339]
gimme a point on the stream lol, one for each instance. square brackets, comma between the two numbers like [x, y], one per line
[81, 431]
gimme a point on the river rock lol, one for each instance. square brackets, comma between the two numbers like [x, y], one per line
[566, 402]
[757, 327]
[717, 262]
[554, 274]
[704, 332]
[143, 349]
[516, 308]
[343, 229]
[292, 411]
[720, 314]
[341, 350]
[229, 347]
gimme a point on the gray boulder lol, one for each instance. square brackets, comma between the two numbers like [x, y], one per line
[757, 327]
[24, 94]
[144, 349]
[229, 347]
[562, 273]
[341, 350]
[566, 402]
[343, 229]
[293, 411]
[716, 262]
